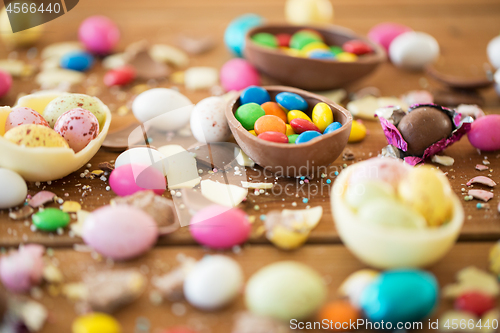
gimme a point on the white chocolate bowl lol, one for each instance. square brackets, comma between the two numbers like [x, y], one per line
[384, 248]
[45, 163]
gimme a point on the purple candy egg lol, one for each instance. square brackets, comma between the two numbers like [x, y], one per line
[120, 232]
[220, 227]
[238, 74]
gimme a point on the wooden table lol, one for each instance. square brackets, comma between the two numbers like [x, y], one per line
[462, 28]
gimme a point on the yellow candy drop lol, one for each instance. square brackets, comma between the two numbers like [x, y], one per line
[346, 57]
[289, 130]
[322, 116]
[292, 52]
[308, 11]
[297, 114]
[428, 192]
[358, 132]
[31, 135]
[252, 132]
[22, 38]
[96, 323]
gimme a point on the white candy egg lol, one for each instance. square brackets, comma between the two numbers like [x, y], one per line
[493, 51]
[208, 122]
[413, 50]
[213, 283]
[162, 108]
[13, 189]
[142, 156]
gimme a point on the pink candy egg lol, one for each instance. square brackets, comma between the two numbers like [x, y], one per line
[21, 116]
[23, 269]
[220, 227]
[485, 134]
[120, 232]
[384, 33]
[78, 127]
[5, 83]
[131, 178]
[99, 34]
[238, 74]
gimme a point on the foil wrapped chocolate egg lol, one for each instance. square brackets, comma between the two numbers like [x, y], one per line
[424, 126]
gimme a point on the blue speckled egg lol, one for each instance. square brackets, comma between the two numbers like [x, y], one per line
[405, 295]
[77, 61]
[234, 36]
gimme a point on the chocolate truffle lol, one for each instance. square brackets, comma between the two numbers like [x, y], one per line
[422, 127]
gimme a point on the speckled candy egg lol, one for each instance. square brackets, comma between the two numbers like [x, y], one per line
[67, 102]
[220, 227]
[400, 296]
[78, 127]
[214, 282]
[208, 121]
[484, 134]
[31, 135]
[131, 178]
[99, 34]
[238, 74]
[120, 232]
[165, 109]
[285, 290]
[413, 50]
[21, 116]
[384, 33]
[17, 189]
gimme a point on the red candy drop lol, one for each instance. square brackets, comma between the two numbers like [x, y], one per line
[119, 76]
[475, 302]
[357, 47]
[283, 39]
[274, 137]
[300, 125]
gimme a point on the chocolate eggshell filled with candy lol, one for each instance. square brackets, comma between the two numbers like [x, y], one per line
[47, 163]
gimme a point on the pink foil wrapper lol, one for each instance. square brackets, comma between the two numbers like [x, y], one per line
[394, 137]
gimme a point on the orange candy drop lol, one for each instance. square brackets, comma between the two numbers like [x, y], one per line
[340, 314]
[274, 109]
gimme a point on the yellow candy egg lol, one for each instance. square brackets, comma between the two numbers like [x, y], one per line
[308, 11]
[428, 192]
[314, 46]
[346, 57]
[96, 323]
[358, 132]
[22, 38]
[289, 130]
[31, 135]
[252, 132]
[322, 116]
[292, 114]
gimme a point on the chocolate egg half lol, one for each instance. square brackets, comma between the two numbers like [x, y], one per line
[422, 127]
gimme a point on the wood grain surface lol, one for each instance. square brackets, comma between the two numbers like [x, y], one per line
[462, 28]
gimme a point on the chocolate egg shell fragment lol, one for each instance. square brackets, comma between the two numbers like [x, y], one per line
[422, 127]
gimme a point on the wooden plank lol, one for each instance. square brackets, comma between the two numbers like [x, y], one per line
[333, 262]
